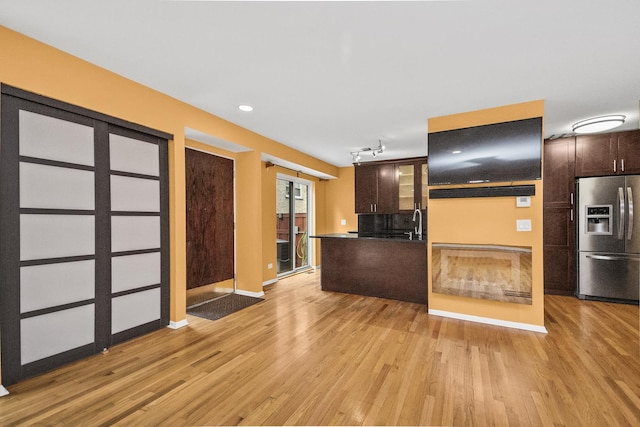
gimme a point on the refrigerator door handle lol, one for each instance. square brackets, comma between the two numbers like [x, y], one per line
[621, 216]
[612, 258]
[630, 215]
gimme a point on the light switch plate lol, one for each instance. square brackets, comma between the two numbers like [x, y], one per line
[343, 222]
[523, 224]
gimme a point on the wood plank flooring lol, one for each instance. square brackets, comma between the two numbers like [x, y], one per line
[308, 357]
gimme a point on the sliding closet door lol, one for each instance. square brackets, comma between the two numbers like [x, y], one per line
[48, 237]
[137, 195]
[83, 235]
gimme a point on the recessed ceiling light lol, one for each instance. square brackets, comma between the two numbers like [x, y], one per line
[246, 108]
[456, 152]
[598, 124]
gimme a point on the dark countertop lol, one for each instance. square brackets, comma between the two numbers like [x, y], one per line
[373, 236]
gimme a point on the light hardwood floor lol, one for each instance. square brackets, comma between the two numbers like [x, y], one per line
[304, 356]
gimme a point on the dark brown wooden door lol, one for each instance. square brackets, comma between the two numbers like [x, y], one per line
[629, 152]
[595, 155]
[209, 182]
[559, 247]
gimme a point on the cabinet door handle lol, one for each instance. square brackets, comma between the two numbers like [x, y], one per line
[614, 165]
[622, 165]
[375, 207]
[371, 207]
[571, 215]
[571, 198]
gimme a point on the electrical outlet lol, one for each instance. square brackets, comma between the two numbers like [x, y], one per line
[270, 266]
[343, 222]
[523, 224]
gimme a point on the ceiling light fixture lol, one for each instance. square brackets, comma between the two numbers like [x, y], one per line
[245, 108]
[598, 124]
[355, 155]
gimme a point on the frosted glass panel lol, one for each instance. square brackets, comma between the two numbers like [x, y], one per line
[55, 139]
[43, 286]
[134, 194]
[55, 188]
[134, 232]
[134, 309]
[53, 236]
[132, 155]
[134, 271]
[53, 333]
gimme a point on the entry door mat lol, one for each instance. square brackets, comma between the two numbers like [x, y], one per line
[223, 306]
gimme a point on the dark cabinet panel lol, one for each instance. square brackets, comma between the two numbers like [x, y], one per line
[380, 189]
[559, 252]
[366, 187]
[629, 152]
[596, 155]
[375, 188]
[387, 189]
[608, 154]
[559, 172]
[558, 223]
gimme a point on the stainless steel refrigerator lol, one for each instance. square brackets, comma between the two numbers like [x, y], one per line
[608, 237]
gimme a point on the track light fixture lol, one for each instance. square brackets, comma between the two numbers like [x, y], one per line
[355, 155]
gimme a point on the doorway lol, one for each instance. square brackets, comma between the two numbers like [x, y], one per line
[210, 226]
[293, 222]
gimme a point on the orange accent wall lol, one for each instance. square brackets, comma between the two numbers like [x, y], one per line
[341, 202]
[36, 67]
[489, 221]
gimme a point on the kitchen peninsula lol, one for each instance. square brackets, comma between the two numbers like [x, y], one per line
[392, 266]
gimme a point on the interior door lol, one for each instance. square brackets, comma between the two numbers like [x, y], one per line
[210, 218]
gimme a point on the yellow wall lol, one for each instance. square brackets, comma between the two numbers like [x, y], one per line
[36, 67]
[489, 221]
[341, 202]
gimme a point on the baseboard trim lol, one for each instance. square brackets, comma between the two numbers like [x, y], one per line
[3, 391]
[179, 324]
[489, 321]
[250, 294]
[269, 282]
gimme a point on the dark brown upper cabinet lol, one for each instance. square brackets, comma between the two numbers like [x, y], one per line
[376, 188]
[608, 154]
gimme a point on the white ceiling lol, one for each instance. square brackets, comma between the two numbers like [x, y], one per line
[328, 78]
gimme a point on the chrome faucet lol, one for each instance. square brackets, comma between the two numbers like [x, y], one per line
[418, 229]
